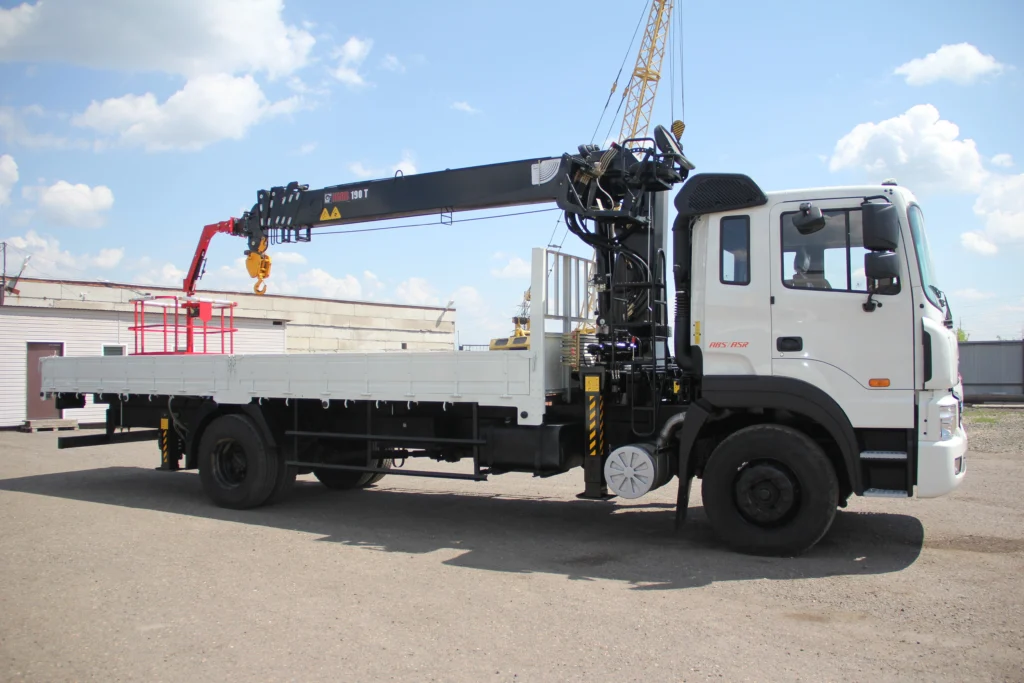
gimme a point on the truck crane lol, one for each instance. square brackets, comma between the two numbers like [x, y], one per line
[780, 381]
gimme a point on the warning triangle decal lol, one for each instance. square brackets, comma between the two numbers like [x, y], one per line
[324, 216]
[335, 214]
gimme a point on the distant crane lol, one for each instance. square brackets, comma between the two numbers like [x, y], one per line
[643, 84]
[638, 98]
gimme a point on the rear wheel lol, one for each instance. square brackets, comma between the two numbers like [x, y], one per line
[237, 468]
[350, 479]
[770, 490]
[345, 479]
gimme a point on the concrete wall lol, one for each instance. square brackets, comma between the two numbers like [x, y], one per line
[318, 325]
[312, 325]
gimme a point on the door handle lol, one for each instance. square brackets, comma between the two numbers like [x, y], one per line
[788, 344]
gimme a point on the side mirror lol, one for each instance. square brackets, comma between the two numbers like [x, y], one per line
[880, 269]
[881, 226]
[810, 219]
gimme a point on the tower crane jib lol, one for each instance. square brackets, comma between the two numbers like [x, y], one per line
[643, 85]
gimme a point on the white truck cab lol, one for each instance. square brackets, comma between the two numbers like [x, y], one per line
[776, 302]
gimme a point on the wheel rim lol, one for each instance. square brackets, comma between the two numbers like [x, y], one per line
[230, 464]
[767, 493]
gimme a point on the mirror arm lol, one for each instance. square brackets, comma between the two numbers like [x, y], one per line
[870, 305]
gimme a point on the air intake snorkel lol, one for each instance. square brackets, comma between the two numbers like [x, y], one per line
[701, 194]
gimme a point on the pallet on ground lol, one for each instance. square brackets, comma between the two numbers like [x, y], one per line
[53, 425]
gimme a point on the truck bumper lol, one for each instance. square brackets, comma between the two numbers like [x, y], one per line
[941, 465]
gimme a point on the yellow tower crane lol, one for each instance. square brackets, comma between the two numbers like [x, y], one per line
[638, 98]
[643, 84]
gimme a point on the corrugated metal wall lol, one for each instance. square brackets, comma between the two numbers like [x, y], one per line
[993, 368]
[85, 333]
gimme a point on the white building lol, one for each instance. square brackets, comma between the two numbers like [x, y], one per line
[47, 317]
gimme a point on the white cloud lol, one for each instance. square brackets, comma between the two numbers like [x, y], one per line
[406, 165]
[49, 260]
[328, 286]
[925, 153]
[108, 258]
[292, 257]
[515, 268]
[8, 177]
[67, 205]
[1001, 205]
[188, 37]
[962, 64]
[971, 294]
[357, 169]
[477, 322]
[372, 286]
[15, 132]
[307, 148]
[918, 147]
[392, 63]
[417, 292]
[206, 110]
[350, 57]
[466, 107]
[978, 243]
[168, 275]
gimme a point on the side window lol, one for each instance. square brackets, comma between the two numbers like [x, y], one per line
[830, 259]
[734, 250]
[113, 350]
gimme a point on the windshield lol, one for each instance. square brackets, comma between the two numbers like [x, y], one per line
[924, 256]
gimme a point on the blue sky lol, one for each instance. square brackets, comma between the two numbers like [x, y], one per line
[126, 126]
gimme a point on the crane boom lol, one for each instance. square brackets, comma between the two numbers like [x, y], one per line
[611, 187]
[643, 84]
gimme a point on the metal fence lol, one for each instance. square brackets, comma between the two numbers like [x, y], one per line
[992, 371]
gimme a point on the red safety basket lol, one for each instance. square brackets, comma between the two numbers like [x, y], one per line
[180, 325]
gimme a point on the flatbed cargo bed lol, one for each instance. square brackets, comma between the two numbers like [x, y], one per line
[520, 379]
[499, 378]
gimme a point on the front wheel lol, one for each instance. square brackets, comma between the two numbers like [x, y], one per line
[770, 490]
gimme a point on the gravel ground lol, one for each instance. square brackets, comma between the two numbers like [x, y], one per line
[113, 571]
[995, 430]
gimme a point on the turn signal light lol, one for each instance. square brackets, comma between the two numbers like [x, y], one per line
[881, 382]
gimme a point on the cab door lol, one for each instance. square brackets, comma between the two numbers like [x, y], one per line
[823, 334]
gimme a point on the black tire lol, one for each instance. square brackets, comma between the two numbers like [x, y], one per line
[284, 484]
[770, 490]
[343, 480]
[237, 468]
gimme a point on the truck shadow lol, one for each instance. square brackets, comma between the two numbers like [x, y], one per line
[582, 540]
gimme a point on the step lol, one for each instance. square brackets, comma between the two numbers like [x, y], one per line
[885, 493]
[883, 455]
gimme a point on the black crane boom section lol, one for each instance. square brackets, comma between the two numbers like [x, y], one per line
[289, 212]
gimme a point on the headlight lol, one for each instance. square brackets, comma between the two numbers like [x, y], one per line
[947, 415]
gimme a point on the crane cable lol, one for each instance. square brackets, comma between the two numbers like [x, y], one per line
[615, 85]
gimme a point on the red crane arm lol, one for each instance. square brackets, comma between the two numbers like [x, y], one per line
[199, 258]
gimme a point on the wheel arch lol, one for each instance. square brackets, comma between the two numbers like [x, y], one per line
[730, 402]
[211, 410]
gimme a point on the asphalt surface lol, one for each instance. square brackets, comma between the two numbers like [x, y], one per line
[112, 571]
